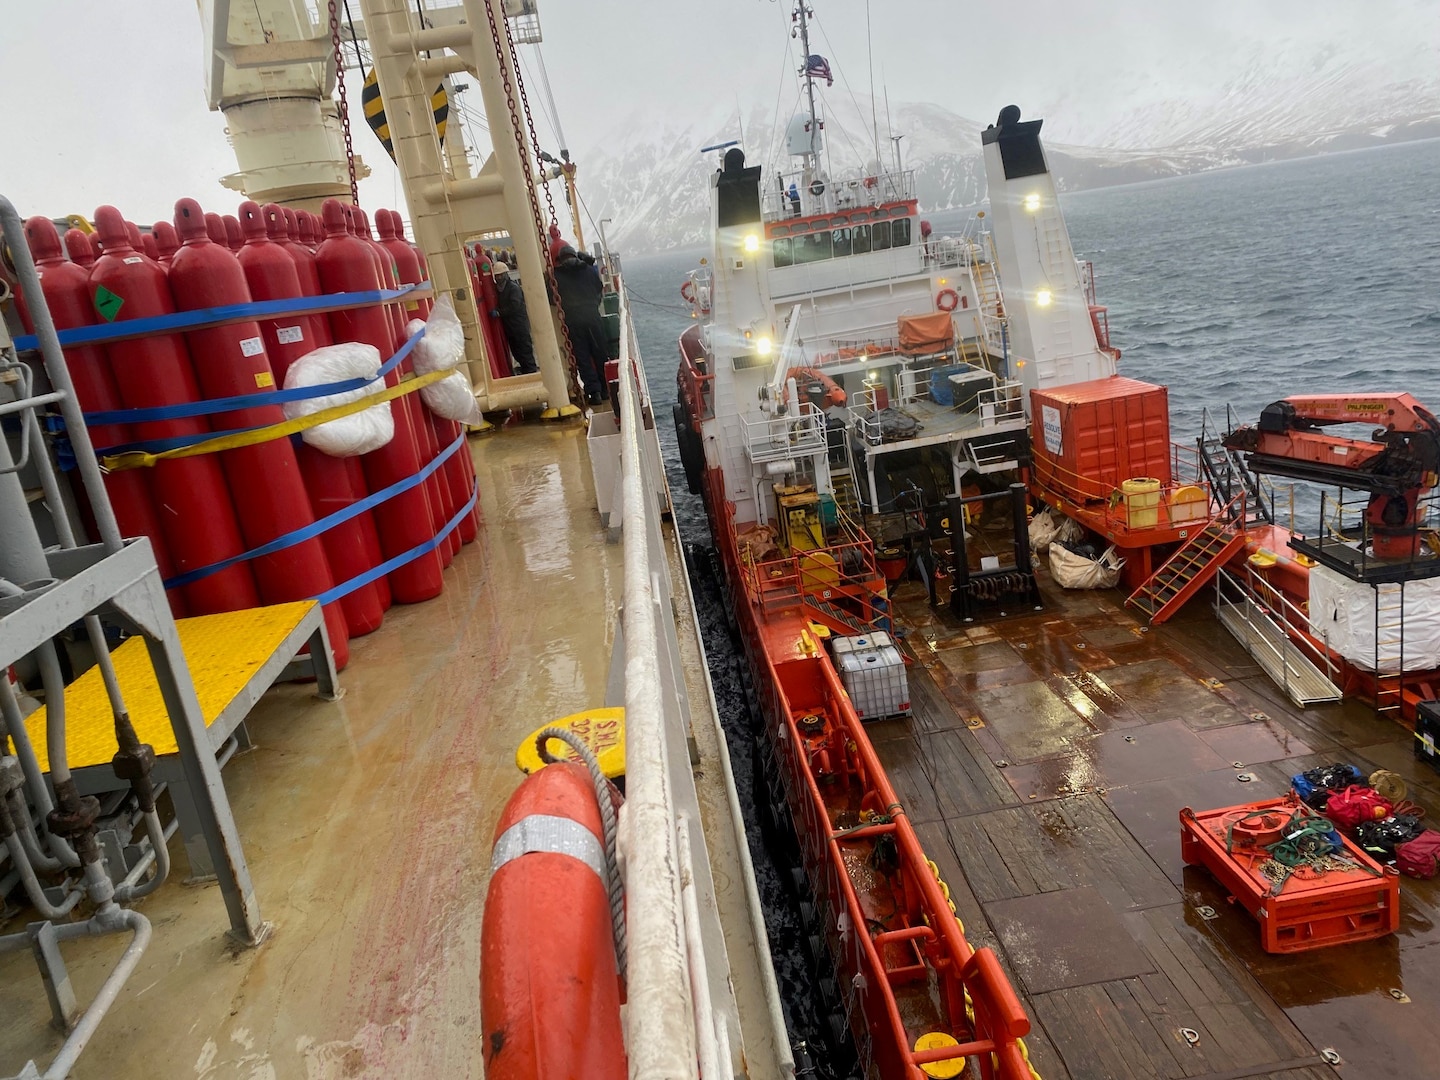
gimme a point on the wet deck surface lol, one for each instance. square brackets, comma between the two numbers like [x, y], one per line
[367, 822]
[1045, 765]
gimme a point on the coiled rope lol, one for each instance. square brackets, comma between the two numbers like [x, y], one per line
[613, 885]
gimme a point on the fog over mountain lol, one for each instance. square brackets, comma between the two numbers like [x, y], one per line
[648, 176]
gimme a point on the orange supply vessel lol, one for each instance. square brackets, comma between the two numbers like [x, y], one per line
[550, 992]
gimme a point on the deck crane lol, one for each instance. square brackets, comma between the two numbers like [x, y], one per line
[1397, 464]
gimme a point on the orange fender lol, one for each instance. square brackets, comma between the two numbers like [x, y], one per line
[549, 991]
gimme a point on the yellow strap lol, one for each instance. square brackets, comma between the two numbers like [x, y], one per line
[140, 459]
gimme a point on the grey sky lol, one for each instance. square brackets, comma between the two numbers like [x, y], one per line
[105, 102]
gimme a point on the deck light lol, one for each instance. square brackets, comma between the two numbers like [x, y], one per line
[762, 346]
[1043, 297]
[752, 244]
[1032, 202]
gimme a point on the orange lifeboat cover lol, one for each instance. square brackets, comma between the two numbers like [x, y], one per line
[549, 991]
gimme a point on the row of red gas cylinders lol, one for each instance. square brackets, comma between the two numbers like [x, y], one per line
[211, 509]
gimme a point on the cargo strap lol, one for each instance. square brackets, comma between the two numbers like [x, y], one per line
[549, 834]
[201, 318]
[242, 401]
[231, 440]
[339, 517]
[359, 581]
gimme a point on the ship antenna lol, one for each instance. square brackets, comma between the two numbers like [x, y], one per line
[802, 13]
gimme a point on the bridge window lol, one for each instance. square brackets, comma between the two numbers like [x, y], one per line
[841, 242]
[880, 236]
[900, 233]
[783, 254]
[860, 245]
[816, 247]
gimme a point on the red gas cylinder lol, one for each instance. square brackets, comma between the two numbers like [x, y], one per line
[215, 229]
[167, 240]
[67, 293]
[132, 231]
[190, 495]
[551, 1010]
[442, 502]
[399, 224]
[234, 235]
[352, 547]
[404, 522]
[407, 263]
[149, 245]
[459, 470]
[80, 250]
[265, 480]
[276, 228]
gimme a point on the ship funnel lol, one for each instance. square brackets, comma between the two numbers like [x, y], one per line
[1052, 332]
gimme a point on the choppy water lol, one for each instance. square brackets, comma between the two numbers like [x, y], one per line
[1236, 287]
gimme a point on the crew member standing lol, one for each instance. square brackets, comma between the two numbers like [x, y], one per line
[514, 319]
[580, 292]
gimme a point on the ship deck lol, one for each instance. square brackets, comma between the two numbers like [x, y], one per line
[367, 822]
[1044, 767]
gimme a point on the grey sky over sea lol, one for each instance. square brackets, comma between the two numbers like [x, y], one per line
[106, 100]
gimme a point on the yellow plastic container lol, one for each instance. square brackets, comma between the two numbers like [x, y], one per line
[1142, 501]
[1188, 504]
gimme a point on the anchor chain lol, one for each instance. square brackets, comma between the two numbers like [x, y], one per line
[344, 103]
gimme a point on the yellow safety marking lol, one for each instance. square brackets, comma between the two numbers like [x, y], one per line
[136, 459]
[602, 730]
[941, 1070]
[222, 651]
[264, 378]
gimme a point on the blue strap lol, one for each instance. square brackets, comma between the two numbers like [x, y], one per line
[250, 401]
[200, 318]
[299, 536]
[375, 573]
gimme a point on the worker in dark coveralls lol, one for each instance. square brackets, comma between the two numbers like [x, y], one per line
[514, 319]
[580, 292]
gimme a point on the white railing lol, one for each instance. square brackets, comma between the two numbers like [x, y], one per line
[775, 438]
[682, 1018]
[1003, 402]
[839, 195]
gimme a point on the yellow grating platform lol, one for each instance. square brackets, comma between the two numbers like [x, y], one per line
[223, 652]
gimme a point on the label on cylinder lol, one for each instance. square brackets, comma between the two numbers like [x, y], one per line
[252, 346]
[289, 335]
[264, 378]
[133, 259]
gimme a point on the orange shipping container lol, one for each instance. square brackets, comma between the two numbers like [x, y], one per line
[1090, 437]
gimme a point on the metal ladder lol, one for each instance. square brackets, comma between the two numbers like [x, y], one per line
[1227, 471]
[1193, 564]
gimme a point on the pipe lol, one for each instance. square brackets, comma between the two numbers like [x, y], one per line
[54, 683]
[29, 838]
[30, 765]
[33, 889]
[128, 890]
[102, 923]
[695, 950]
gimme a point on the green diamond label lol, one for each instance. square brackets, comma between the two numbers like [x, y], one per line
[107, 303]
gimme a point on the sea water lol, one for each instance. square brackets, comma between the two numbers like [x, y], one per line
[1237, 287]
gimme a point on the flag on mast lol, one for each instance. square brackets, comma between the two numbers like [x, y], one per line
[817, 67]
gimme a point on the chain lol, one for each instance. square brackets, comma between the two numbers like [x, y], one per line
[344, 104]
[568, 347]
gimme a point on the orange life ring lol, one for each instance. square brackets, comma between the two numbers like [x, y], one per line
[549, 993]
[947, 300]
[687, 291]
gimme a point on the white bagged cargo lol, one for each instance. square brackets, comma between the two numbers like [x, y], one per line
[1072, 571]
[359, 433]
[443, 349]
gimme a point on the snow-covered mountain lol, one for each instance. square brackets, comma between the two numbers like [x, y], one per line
[649, 176]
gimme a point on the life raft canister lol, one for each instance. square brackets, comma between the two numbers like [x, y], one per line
[549, 989]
